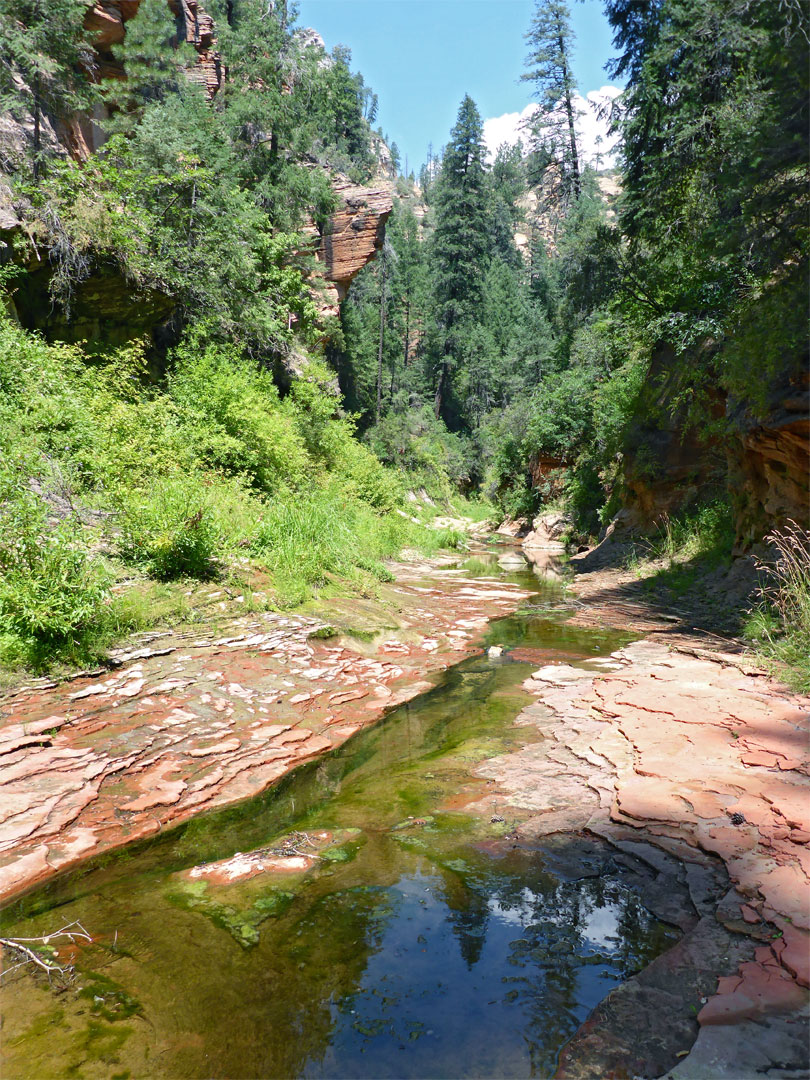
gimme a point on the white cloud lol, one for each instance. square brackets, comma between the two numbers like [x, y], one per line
[589, 125]
[505, 129]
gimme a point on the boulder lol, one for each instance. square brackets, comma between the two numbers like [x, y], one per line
[547, 531]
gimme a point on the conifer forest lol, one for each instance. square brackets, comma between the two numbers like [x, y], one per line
[404, 567]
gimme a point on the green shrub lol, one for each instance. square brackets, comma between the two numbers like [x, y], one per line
[169, 529]
[367, 479]
[232, 419]
[53, 596]
[414, 442]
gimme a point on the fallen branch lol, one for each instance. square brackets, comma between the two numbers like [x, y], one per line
[73, 931]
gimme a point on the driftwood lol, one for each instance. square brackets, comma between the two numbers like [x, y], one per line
[23, 947]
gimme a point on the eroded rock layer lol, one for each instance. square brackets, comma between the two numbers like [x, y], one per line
[189, 724]
[106, 22]
[352, 236]
[692, 764]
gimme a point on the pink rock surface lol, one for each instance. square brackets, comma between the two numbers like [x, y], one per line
[199, 722]
[689, 753]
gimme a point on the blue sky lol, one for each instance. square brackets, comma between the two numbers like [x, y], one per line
[422, 56]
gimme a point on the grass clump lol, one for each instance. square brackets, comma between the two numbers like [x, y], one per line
[705, 533]
[311, 540]
[686, 546]
[169, 530]
[54, 597]
[779, 627]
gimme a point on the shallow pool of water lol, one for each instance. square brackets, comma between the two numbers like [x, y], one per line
[423, 943]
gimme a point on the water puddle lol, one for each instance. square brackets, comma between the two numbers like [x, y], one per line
[372, 927]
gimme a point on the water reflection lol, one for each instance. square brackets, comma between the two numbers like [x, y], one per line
[484, 971]
[415, 953]
[546, 565]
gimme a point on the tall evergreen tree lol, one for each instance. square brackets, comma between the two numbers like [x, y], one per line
[46, 60]
[717, 184]
[552, 132]
[461, 241]
[153, 56]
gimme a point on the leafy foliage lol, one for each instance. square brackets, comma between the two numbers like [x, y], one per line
[53, 597]
[45, 60]
[169, 529]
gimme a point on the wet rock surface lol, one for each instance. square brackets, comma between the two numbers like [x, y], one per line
[193, 722]
[700, 771]
[669, 769]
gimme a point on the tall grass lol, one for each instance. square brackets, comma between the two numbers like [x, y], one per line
[314, 538]
[779, 626]
[707, 531]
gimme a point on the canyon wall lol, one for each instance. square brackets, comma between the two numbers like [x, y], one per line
[105, 307]
[762, 460]
[769, 460]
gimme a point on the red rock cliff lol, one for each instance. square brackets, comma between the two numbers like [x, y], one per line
[107, 20]
[353, 235]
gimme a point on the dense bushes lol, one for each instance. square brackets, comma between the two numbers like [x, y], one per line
[169, 529]
[179, 479]
[420, 446]
[53, 595]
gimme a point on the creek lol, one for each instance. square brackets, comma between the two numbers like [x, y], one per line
[422, 942]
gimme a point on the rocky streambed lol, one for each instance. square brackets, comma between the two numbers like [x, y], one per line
[574, 853]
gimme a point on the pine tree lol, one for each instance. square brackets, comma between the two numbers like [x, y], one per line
[461, 241]
[154, 59]
[46, 60]
[552, 130]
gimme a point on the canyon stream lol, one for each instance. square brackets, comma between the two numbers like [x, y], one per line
[358, 919]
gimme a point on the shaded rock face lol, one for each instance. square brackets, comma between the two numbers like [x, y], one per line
[769, 462]
[667, 466]
[764, 463]
[104, 307]
[547, 473]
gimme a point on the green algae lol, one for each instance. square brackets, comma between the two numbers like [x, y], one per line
[240, 915]
[289, 960]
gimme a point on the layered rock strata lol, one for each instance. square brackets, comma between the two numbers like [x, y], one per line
[106, 22]
[352, 236]
[189, 724]
[702, 772]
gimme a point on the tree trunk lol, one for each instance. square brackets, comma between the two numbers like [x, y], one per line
[382, 338]
[37, 127]
[437, 401]
[407, 330]
[569, 108]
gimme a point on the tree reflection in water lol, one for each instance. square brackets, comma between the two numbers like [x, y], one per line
[484, 967]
